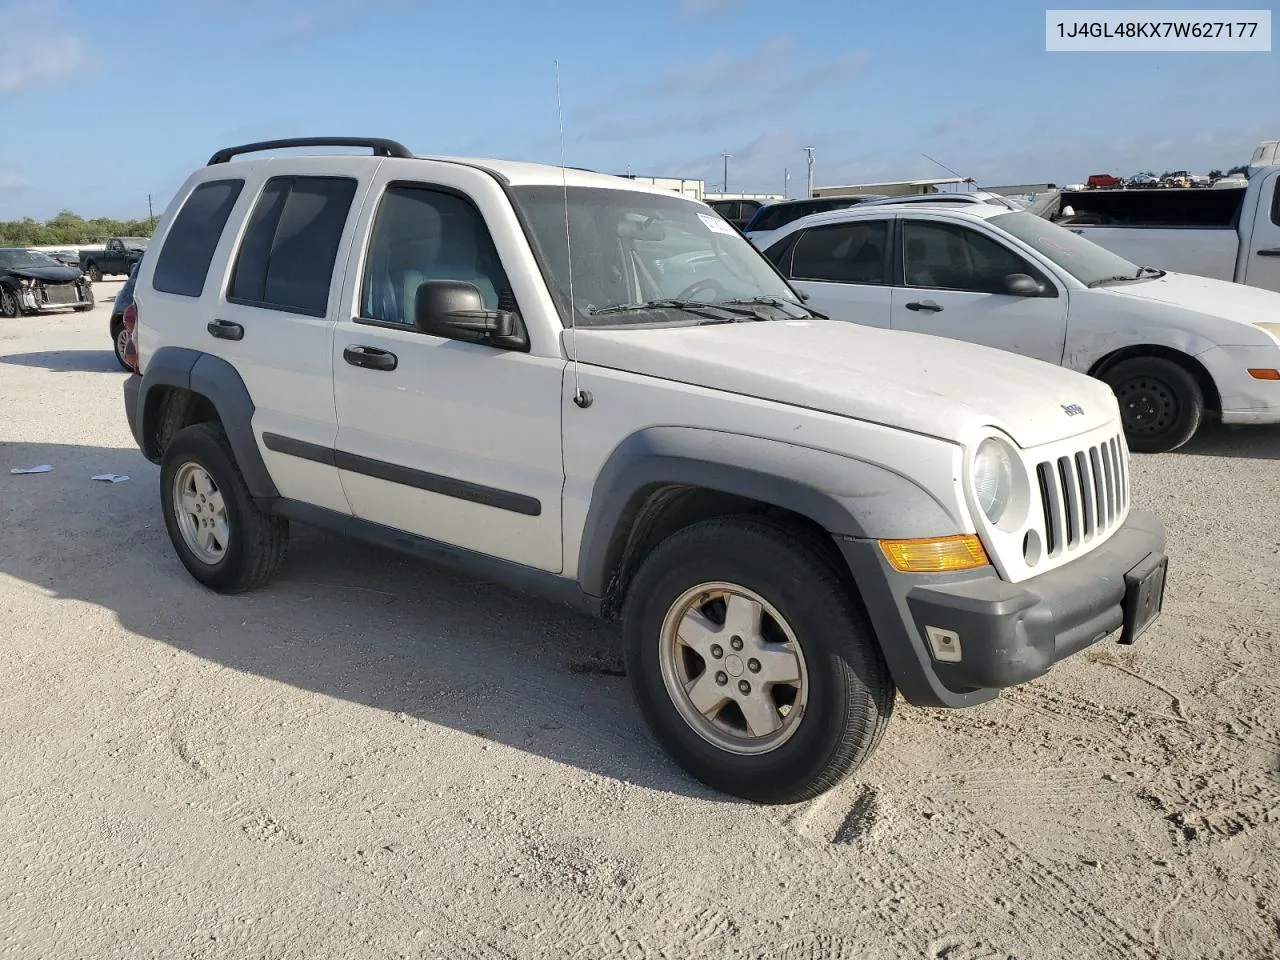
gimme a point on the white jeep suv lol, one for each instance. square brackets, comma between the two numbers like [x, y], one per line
[602, 392]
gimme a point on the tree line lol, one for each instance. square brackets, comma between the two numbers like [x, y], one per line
[70, 229]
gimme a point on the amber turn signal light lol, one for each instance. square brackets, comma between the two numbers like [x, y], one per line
[935, 555]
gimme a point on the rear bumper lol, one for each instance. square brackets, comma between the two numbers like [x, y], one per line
[988, 634]
[132, 391]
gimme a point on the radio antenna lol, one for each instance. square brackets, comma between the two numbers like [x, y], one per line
[949, 170]
[582, 399]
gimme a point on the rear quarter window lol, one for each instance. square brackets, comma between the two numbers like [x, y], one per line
[183, 264]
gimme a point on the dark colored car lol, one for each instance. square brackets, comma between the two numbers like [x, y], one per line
[117, 257]
[737, 212]
[34, 282]
[774, 216]
[69, 258]
[124, 300]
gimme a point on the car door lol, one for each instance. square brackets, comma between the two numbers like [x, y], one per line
[844, 268]
[950, 281]
[113, 257]
[275, 321]
[1262, 266]
[455, 441]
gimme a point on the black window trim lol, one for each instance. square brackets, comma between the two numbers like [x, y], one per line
[886, 260]
[1050, 291]
[239, 184]
[235, 263]
[376, 204]
[1275, 200]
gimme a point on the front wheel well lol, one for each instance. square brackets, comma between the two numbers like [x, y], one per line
[658, 511]
[1212, 399]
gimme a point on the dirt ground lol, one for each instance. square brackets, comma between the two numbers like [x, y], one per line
[374, 758]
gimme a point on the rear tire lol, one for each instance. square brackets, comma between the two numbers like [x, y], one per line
[95, 273]
[119, 342]
[1161, 404]
[715, 712]
[221, 537]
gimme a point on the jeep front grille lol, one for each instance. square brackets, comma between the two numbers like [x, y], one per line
[1083, 495]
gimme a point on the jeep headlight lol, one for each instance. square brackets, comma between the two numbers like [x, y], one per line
[994, 478]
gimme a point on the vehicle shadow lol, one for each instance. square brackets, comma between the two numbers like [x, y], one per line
[1243, 442]
[68, 361]
[340, 619]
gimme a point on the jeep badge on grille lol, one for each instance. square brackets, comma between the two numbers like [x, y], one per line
[1072, 409]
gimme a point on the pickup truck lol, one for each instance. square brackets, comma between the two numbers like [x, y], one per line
[117, 257]
[1226, 234]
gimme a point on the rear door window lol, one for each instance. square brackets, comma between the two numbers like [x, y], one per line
[287, 256]
[842, 253]
[183, 264]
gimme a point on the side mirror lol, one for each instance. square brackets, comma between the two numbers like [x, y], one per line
[1021, 285]
[455, 309]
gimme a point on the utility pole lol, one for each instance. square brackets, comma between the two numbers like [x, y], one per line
[786, 183]
[151, 213]
[809, 178]
[726, 171]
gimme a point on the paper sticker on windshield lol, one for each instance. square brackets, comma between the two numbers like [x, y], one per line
[717, 224]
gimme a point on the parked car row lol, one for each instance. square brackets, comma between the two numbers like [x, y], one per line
[1145, 179]
[795, 519]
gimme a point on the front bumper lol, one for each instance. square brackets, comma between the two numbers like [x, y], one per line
[987, 633]
[33, 299]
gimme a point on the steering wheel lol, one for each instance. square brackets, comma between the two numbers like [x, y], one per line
[710, 283]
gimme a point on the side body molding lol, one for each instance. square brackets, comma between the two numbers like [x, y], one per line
[845, 496]
[218, 381]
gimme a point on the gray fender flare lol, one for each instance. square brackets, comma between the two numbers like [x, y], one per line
[218, 381]
[845, 496]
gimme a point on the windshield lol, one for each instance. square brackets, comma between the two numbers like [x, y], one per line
[26, 258]
[631, 247]
[1083, 259]
[134, 243]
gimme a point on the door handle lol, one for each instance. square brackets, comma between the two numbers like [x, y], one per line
[1275, 252]
[225, 330]
[371, 358]
[926, 305]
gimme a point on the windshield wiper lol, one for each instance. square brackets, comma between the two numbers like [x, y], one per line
[778, 302]
[1119, 278]
[695, 307]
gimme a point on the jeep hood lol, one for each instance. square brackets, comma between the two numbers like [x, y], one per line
[930, 385]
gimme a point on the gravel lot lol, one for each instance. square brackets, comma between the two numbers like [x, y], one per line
[375, 758]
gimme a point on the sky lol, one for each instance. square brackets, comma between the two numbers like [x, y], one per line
[104, 102]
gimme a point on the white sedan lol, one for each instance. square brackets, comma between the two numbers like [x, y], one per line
[1171, 346]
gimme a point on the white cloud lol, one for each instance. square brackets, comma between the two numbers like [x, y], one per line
[718, 92]
[12, 183]
[35, 49]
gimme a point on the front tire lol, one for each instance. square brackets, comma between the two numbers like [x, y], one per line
[221, 537]
[9, 305]
[1161, 404]
[753, 661]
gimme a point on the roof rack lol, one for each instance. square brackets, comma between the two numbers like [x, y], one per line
[379, 146]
